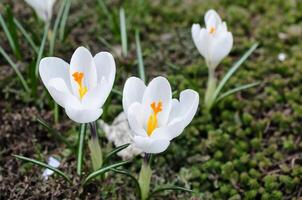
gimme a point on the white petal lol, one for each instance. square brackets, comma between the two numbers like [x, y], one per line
[182, 113]
[137, 117]
[221, 47]
[81, 114]
[59, 92]
[97, 96]
[149, 145]
[202, 40]
[159, 90]
[212, 19]
[105, 67]
[133, 92]
[52, 67]
[82, 61]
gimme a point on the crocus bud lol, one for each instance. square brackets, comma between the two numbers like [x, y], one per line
[213, 42]
[43, 8]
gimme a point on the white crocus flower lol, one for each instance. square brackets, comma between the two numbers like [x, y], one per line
[43, 8]
[82, 86]
[213, 42]
[52, 162]
[154, 117]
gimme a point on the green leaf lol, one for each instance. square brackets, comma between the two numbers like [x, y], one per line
[127, 173]
[13, 30]
[15, 67]
[59, 136]
[104, 170]
[162, 189]
[41, 164]
[237, 89]
[80, 151]
[64, 20]
[9, 36]
[115, 151]
[233, 69]
[26, 35]
[123, 31]
[55, 28]
[41, 49]
[140, 59]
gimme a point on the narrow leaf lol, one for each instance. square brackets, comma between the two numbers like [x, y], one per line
[13, 31]
[54, 132]
[26, 35]
[233, 70]
[123, 32]
[41, 49]
[15, 67]
[41, 164]
[162, 189]
[55, 28]
[139, 54]
[104, 170]
[80, 151]
[115, 151]
[237, 89]
[8, 35]
[64, 19]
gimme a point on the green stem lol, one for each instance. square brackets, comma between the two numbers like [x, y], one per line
[145, 178]
[211, 87]
[95, 148]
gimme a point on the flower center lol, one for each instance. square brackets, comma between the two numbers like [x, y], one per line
[212, 30]
[78, 77]
[152, 121]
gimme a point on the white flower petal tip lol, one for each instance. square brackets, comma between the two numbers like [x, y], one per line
[52, 162]
[154, 117]
[214, 42]
[82, 86]
[119, 133]
[42, 8]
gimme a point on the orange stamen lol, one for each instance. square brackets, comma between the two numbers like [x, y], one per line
[212, 30]
[78, 77]
[152, 121]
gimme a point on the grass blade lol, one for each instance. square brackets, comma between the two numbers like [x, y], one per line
[115, 151]
[237, 89]
[41, 164]
[9, 36]
[15, 67]
[55, 28]
[139, 54]
[233, 70]
[123, 32]
[127, 173]
[169, 188]
[26, 35]
[41, 49]
[80, 151]
[104, 170]
[54, 132]
[64, 20]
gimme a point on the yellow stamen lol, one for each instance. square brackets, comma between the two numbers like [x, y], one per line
[212, 30]
[152, 121]
[78, 77]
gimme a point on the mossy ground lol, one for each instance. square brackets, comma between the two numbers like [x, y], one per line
[248, 147]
